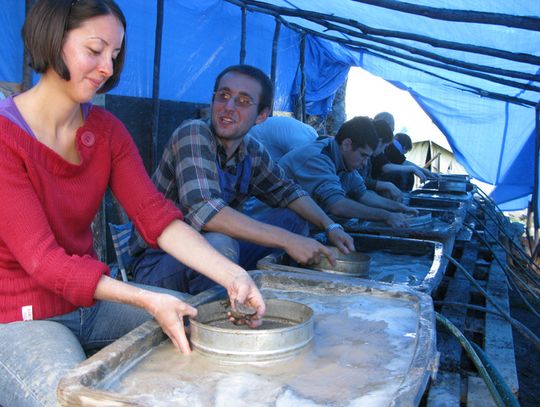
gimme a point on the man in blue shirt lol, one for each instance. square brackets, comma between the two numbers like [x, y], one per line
[328, 170]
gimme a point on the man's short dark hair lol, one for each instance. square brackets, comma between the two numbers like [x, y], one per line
[267, 88]
[404, 140]
[361, 132]
[45, 28]
[384, 132]
[387, 117]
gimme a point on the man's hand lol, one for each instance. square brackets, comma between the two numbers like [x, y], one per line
[389, 190]
[307, 251]
[342, 240]
[430, 175]
[408, 210]
[419, 173]
[397, 220]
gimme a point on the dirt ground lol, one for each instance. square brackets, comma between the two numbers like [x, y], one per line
[527, 355]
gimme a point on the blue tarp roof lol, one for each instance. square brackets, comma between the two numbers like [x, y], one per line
[476, 74]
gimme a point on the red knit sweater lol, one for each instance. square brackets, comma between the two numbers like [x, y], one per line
[47, 204]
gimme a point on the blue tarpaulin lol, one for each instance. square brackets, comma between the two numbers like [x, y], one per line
[476, 74]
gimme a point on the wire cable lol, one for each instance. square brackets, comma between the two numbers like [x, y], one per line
[526, 271]
[497, 219]
[488, 297]
[510, 273]
[519, 326]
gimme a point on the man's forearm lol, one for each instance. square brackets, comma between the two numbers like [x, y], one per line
[235, 224]
[373, 199]
[396, 167]
[347, 208]
[308, 209]
[189, 247]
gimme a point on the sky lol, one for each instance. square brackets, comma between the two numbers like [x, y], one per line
[368, 95]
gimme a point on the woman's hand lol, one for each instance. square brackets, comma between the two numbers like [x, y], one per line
[243, 289]
[169, 311]
[189, 247]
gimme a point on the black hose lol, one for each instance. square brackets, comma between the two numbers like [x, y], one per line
[514, 286]
[503, 313]
[510, 273]
[519, 326]
[526, 271]
[491, 201]
[503, 231]
[528, 259]
[490, 204]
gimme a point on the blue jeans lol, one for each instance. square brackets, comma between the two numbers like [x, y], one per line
[157, 268]
[35, 355]
[251, 253]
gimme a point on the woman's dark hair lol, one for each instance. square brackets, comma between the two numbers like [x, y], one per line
[384, 132]
[404, 140]
[361, 132]
[267, 88]
[45, 29]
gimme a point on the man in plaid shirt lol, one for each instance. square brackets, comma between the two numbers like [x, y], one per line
[209, 171]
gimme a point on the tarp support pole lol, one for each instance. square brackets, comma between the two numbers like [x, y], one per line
[243, 37]
[26, 70]
[155, 86]
[426, 54]
[536, 187]
[373, 34]
[303, 77]
[429, 62]
[275, 43]
[466, 16]
[468, 88]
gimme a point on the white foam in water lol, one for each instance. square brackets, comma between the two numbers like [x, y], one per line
[402, 323]
[288, 399]
[374, 398]
[237, 390]
[359, 356]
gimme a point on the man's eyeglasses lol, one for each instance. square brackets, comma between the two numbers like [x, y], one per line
[243, 101]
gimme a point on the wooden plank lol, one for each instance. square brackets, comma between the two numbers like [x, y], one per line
[499, 342]
[445, 390]
[492, 231]
[458, 291]
[448, 244]
[478, 394]
[464, 235]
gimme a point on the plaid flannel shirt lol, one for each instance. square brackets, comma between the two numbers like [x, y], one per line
[187, 175]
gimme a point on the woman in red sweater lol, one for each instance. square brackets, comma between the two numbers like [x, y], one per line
[58, 155]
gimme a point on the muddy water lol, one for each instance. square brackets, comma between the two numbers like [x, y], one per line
[399, 269]
[360, 353]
